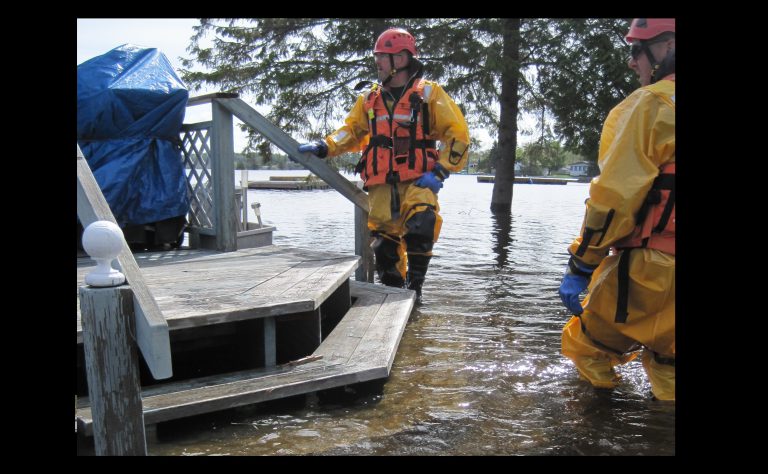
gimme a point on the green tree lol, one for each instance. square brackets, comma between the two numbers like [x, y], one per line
[581, 74]
[542, 155]
[306, 70]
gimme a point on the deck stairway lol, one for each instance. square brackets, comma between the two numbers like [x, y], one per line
[261, 324]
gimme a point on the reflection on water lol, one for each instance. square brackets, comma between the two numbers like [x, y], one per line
[478, 370]
[502, 226]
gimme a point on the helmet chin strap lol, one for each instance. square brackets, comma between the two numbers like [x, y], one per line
[664, 68]
[392, 72]
[654, 64]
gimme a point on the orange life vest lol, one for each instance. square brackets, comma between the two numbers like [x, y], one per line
[655, 227]
[400, 148]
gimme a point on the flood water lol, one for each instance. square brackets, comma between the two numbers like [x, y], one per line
[478, 370]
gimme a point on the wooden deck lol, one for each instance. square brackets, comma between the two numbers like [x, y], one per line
[260, 299]
[203, 287]
[362, 347]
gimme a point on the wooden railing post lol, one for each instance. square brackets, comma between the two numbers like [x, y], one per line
[364, 272]
[112, 369]
[318, 166]
[223, 164]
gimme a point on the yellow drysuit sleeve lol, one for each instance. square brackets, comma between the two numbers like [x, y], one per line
[353, 135]
[448, 125]
[637, 138]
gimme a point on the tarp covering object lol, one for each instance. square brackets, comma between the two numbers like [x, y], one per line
[130, 109]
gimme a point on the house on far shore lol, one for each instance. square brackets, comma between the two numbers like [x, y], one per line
[579, 168]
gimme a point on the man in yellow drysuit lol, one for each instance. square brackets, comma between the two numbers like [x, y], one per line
[626, 250]
[397, 124]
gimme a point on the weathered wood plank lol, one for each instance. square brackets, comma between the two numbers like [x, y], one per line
[382, 338]
[346, 336]
[151, 327]
[265, 373]
[223, 167]
[270, 348]
[246, 284]
[221, 396]
[177, 400]
[324, 281]
[285, 142]
[205, 98]
[363, 247]
[339, 365]
[112, 368]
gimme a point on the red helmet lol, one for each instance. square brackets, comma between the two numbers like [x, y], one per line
[395, 40]
[647, 28]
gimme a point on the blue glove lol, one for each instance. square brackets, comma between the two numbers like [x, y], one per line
[317, 148]
[575, 281]
[433, 179]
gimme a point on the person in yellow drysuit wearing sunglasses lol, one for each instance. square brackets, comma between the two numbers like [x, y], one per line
[625, 254]
[397, 125]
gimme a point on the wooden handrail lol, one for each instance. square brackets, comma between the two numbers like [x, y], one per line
[285, 142]
[151, 328]
[205, 98]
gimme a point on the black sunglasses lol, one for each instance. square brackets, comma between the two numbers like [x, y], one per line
[635, 49]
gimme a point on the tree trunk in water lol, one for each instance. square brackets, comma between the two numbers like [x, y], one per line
[501, 200]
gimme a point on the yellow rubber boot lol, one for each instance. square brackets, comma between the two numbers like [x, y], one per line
[661, 376]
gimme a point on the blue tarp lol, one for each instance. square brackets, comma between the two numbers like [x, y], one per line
[130, 109]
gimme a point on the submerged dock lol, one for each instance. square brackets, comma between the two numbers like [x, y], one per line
[290, 182]
[528, 180]
[259, 324]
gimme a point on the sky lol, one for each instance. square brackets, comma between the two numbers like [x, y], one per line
[171, 36]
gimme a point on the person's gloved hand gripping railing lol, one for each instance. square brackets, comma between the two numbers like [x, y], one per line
[317, 148]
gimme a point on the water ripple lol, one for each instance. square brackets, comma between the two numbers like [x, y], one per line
[478, 370]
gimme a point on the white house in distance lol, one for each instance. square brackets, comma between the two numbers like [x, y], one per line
[579, 168]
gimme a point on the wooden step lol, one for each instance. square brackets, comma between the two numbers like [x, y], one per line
[361, 347]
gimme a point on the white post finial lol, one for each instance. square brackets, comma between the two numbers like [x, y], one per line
[103, 240]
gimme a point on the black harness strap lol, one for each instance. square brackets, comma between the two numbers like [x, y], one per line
[589, 232]
[393, 177]
[663, 360]
[415, 101]
[662, 182]
[394, 202]
[622, 298]
[669, 183]
[375, 145]
[425, 130]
